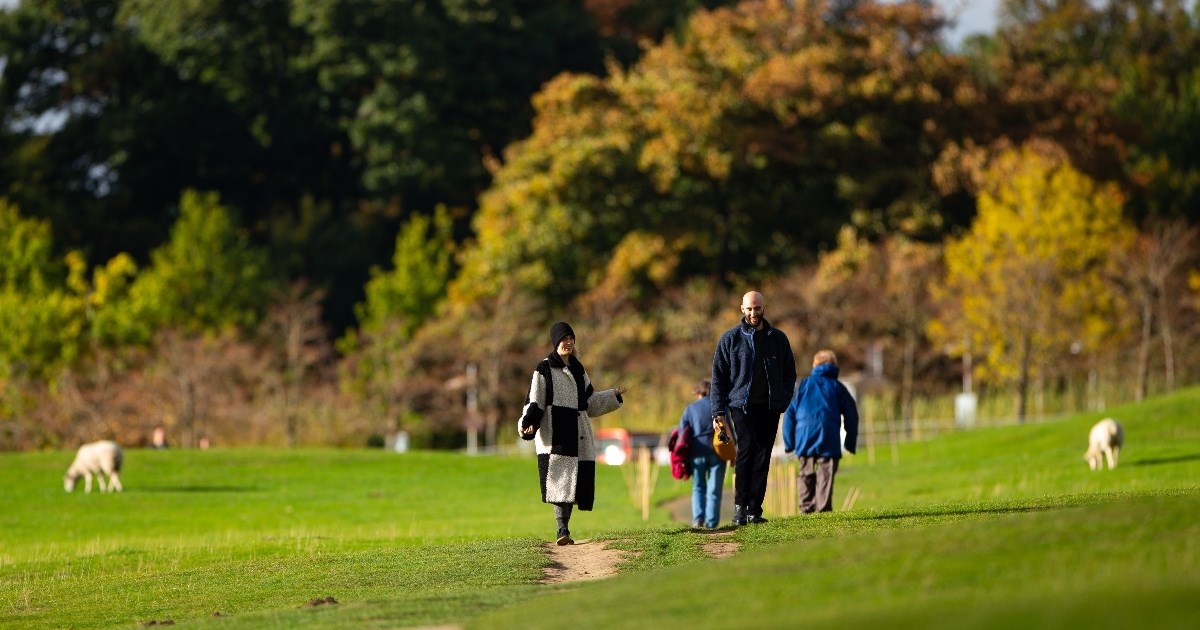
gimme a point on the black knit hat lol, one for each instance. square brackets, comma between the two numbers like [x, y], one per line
[558, 331]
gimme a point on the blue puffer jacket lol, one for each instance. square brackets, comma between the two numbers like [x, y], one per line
[812, 423]
[733, 368]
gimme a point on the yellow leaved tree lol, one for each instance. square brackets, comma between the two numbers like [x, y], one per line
[1025, 286]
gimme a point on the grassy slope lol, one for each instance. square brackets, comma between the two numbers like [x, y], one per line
[1021, 564]
[985, 525]
[1163, 451]
[988, 528]
[244, 530]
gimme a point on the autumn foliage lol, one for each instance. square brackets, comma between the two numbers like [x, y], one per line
[385, 239]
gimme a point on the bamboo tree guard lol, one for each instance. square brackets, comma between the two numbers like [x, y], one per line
[851, 499]
[640, 480]
[781, 487]
[894, 439]
[869, 420]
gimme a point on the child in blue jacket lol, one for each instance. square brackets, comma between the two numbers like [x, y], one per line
[706, 467]
[812, 429]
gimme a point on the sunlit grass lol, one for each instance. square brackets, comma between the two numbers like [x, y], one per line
[1025, 563]
[966, 529]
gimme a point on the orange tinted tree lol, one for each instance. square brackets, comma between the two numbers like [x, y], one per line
[746, 142]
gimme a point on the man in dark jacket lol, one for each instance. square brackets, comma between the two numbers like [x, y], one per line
[812, 428]
[753, 376]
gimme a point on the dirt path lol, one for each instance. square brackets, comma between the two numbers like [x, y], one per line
[588, 560]
[718, 544]
[585, 560]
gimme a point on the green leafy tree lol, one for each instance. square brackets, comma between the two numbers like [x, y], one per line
[42, 320]
[55, 319]
[1029, 277]
[27, 251]
[398, 301]
[425, 92]
[111, 318]
[100, 136]
[207, 278]
[245, 54]
[1159, 99]
[202, 289]
[409, 292]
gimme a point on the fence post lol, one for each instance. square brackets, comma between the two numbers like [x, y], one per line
[647, 483]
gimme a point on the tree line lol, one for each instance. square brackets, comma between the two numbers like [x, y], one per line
[307, 222]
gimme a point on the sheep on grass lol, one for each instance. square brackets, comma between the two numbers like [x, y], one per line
[96, 458]
[1105, 441]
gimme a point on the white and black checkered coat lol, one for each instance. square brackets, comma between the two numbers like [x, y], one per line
[566, 447]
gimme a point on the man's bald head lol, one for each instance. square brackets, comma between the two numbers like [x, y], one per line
[752, 308]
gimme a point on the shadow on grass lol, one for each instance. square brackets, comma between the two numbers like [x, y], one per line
[1166, 460]
[965, 511]
[198, 489]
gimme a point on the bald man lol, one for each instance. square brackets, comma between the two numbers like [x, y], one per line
[753, 376]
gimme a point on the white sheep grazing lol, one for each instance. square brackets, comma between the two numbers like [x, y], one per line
[96, 458]
[1105, 441]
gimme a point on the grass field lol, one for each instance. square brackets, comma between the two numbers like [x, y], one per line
[987, 528]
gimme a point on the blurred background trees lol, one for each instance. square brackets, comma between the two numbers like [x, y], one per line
[302, 221]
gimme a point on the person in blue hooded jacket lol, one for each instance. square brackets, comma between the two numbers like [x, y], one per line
[812, 430]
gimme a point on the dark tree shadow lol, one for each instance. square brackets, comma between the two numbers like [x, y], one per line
[197, 489]
[1016, 509]
[1155, 461]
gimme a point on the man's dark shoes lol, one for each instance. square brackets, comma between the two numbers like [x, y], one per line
[739, 516]
[757, 519]
[698, 524]
[564, 537]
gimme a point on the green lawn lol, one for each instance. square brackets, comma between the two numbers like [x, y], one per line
[1093, 561]
[1162, 451]
[992, 527]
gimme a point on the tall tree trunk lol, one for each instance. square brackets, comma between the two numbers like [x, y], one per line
[188, 391]
[1164, 327]
[1023, 378]
[906, 378]
[1143, 355]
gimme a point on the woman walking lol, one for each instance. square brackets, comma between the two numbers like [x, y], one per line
[557, 417]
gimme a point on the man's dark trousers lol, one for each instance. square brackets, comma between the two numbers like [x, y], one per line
[755, 429]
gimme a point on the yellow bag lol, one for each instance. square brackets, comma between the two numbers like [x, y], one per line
[723, 442]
